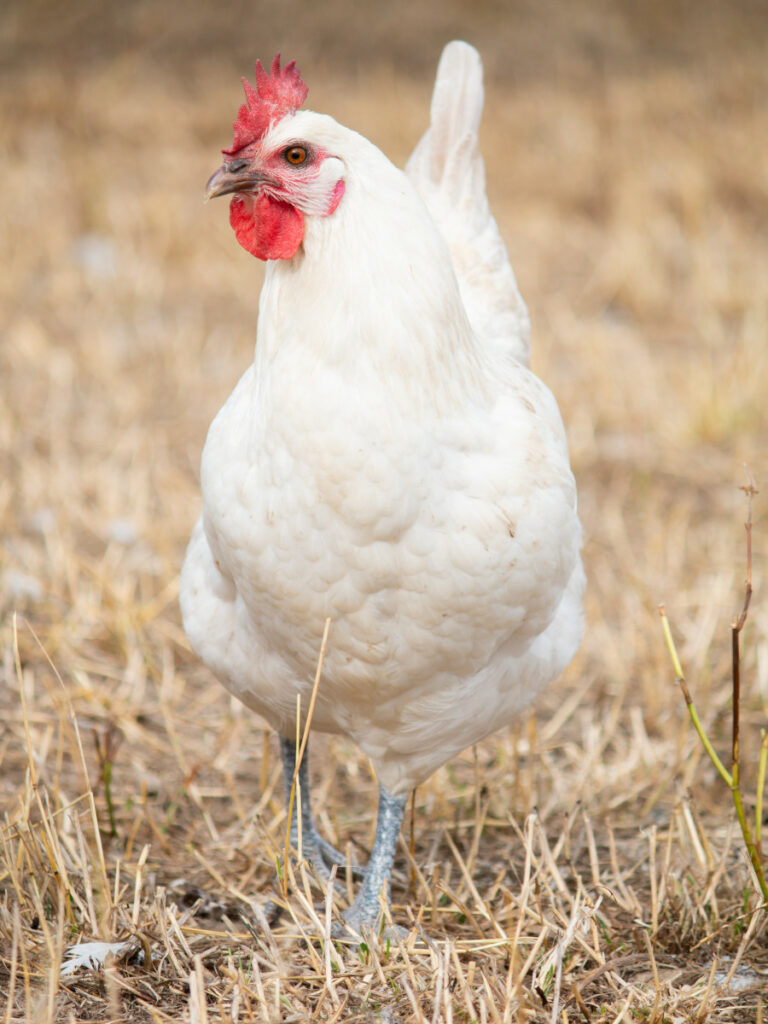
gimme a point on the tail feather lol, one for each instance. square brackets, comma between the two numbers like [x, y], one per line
[447, 169]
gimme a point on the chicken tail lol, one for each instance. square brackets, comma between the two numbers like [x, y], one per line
[448, 171]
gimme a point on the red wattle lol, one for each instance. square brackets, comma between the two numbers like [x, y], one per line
[265, 227]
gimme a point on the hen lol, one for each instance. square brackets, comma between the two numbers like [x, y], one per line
[388, 461]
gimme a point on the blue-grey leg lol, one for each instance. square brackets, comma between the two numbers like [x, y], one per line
[364, 916]
[315, 850]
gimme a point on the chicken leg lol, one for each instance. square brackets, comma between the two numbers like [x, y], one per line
[315, 850]
[364, 915]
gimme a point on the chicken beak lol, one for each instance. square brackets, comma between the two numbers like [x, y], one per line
[234, 176]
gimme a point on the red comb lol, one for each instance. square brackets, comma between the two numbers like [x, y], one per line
[277, 94]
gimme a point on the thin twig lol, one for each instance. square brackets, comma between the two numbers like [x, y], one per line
[761, 770]
[302, 747]
[736, 627]
[680, 679]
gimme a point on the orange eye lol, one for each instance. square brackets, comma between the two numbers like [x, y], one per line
[295, 155]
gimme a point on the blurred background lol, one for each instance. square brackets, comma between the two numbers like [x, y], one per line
[626, 147]
[627, 157]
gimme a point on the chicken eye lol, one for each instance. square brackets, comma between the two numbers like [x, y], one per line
[295, 155]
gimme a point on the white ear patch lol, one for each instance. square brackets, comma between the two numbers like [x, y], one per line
[320, 195]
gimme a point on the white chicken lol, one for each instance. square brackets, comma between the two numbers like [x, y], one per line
[388, 461]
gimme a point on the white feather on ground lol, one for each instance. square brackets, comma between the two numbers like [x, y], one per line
[93, 955]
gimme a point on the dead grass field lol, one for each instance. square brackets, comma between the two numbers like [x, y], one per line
[583, 867]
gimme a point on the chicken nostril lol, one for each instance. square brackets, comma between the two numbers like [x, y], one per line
[236, 165]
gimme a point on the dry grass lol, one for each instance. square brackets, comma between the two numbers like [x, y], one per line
[584, 867]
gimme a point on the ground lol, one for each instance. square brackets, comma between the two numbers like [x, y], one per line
[585, 866]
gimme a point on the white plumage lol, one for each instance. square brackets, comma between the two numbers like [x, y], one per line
[388, 461]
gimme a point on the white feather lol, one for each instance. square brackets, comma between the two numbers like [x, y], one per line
[92, 955]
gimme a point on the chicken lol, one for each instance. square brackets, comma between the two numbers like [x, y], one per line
[388, 461]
